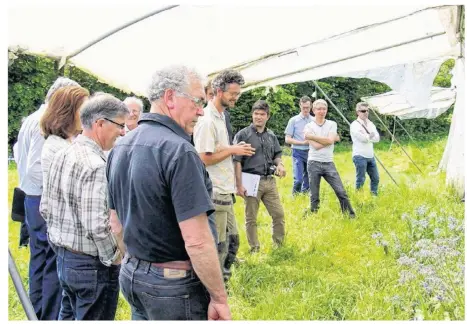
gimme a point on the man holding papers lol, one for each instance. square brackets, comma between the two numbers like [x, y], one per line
[254, 175]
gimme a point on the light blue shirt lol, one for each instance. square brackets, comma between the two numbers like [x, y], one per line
[295, 128]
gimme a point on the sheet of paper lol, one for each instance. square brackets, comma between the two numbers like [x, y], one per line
[251, 183]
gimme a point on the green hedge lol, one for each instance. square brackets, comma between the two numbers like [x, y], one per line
[29, 78]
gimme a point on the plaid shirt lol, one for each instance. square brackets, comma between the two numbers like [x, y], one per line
[74, 201]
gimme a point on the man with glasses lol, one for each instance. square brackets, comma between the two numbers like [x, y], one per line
[213, 145]
[76, 211]
[364, 134]
[300, 146]
[161, 192]
[322, 134]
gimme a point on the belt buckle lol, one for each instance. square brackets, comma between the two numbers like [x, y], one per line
[174, 273]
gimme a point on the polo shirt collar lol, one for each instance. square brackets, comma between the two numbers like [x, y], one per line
[167, 122]
[303, 117]
[253, 128]
[214, 110]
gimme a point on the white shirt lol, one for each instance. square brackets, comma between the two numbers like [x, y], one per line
[362, 144]
[15, 152]
[30, 143]
[326, 153]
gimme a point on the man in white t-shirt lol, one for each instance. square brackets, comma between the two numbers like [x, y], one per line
[364, 134]
[322, 134]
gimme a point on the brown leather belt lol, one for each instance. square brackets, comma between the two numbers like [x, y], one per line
[176, 265]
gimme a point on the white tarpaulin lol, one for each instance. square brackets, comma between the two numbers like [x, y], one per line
[395, 104]
[355, 38]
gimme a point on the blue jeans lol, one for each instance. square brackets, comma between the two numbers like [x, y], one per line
[328, 171]
[300, 172]
[154, 295]
[364, 165]
[45, 292]
[91, 287]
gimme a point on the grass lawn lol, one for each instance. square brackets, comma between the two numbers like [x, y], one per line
[402, 258]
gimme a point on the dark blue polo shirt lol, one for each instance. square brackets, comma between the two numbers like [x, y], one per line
[156, 180]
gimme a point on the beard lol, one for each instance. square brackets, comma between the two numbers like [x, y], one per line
[225, 103]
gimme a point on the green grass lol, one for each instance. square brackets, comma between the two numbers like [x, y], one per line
[333, 268]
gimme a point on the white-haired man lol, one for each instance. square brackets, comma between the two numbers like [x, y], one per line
[161, 192]
[135, 106]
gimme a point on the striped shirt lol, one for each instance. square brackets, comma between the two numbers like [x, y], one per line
[74, 201]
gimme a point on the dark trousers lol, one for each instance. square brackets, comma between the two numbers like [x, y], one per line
[300, 172]
[365, 165]
[91, 287]
[328, 171]
[44, 288]
[161, 294]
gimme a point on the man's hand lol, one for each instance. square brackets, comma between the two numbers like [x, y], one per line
[337, 138]
[241, 191]
[280, 171]
[242, 149]
[219, 312]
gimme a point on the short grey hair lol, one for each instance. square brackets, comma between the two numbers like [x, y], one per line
[135, 100]
[59, 83]
[175, 77]
[362, 105]
[320, 102]
[226, 77]
[102, 105]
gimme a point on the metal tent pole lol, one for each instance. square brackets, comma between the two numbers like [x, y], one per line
[397, 141]
[22, 294]
[346, 120]
[113, 31]
[397, 120]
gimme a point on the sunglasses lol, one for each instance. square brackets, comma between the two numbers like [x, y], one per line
[363, 111]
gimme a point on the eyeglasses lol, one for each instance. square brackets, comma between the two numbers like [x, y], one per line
[121, 126]
[197, 101]
[234, 94]
[363, 111]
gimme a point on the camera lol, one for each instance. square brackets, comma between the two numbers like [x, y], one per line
[273, 169]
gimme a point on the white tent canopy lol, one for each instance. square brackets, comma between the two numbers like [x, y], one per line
[395, 104]
[395, 35]
[271, 45]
